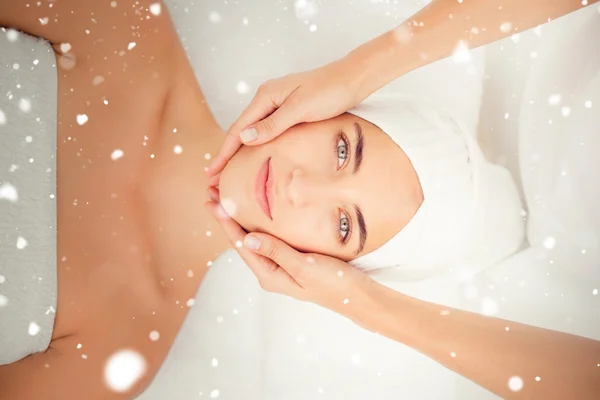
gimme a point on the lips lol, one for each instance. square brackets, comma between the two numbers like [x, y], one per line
[263, 188]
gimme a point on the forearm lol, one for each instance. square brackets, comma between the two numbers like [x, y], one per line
[435, 32]
[490, 351]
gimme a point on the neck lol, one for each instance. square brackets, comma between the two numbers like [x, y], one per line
[183, 234]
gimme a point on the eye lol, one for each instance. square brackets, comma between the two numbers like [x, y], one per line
[342, 151]
[344, 227]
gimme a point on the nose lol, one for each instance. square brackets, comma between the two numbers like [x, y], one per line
[306, 187]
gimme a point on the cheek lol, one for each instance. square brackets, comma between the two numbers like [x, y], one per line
[310, 152]
[308, 232]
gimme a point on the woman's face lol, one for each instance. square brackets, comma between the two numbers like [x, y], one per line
[339, 187]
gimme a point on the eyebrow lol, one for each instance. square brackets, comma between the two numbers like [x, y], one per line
[362, 229]
[358, 148]
[358, 158]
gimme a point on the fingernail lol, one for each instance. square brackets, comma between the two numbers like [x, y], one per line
[249, 135]
[251, 242]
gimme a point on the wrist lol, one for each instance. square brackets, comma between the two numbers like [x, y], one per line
[375, 312]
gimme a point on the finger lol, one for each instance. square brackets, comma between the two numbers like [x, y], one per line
[275, 124]
[230, 146]
[269, 274]
[213, 194]
[213, 181]
[283, 255]
[261, 106]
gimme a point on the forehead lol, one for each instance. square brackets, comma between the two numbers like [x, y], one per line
[385, 191]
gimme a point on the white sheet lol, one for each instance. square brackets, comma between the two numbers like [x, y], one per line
[269, 347]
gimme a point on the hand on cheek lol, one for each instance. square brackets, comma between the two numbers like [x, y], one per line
[326, 281]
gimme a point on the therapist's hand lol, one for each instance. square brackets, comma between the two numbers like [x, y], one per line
[326, 281]
[279, 104]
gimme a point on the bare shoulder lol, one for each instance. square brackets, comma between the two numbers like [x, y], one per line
[91, 29]
[80, 367]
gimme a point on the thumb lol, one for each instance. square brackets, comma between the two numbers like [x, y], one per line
[272, 126]
[289, 259]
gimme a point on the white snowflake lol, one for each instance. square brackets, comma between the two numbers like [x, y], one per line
[9, 192]
[82, 119]
[242, 87]
[118, 153]
[123, 369]
[489, 306]
[154, 336]
[313, 28]
[12, 35]
[97, 80]
[588, 104]
[305, 9]
[2, 118]
[65, 47]
[356, 360]
[402, 34]
[229, 207]
[214, 17]
[34, 329]
[462, 54]
[131, 46]
[190, 303]
[549, 242]
[214, 362]
[25, 105]
[3, 300]
[214, 394]
[21, 243]
[554, 99]
[155, 9]
[177, 149]
[506, 27]
[515, 383]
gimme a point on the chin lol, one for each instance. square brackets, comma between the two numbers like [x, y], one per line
[233, 194]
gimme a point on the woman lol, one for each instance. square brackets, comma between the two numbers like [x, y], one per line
[137, 194]
[140, 193]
